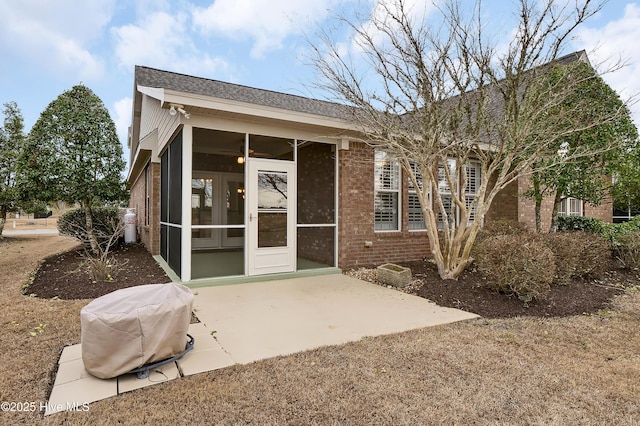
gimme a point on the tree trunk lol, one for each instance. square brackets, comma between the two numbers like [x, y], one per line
[554, 213]
[3, 219]
[537, 196]
[91, 235]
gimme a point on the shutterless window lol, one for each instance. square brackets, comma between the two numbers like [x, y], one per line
[474, 179]
[147, 201]
[570, 207]
[387, 192]
[445, 191]
[416, 215]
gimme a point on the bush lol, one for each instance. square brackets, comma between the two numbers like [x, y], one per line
[563, 246]
[615, 231]
[628, 250]
[578, 254]
[581, 223]
[521, 264]
[105, 224]
[494, 229]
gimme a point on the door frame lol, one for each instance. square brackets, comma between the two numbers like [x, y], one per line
[269, 260]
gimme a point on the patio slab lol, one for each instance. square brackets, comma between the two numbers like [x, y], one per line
[243, 323]
[260, 320]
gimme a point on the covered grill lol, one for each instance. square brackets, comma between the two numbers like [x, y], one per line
[133, 327]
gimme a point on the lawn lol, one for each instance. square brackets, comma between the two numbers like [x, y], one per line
[580, 369]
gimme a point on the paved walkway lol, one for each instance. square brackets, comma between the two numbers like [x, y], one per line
[41, 231]
[243, 323]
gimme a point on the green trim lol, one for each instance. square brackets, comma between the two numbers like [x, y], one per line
[241, 279]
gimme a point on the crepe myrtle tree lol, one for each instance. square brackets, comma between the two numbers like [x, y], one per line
[586, 177]
[437, 90]
[73, 154]
[11, 142]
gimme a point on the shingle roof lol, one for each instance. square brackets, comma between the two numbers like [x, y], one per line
[151, 77]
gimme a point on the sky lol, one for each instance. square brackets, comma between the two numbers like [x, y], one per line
[48, 46]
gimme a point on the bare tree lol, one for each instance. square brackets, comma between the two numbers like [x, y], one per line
[435, 89]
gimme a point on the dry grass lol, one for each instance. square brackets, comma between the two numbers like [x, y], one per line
[576, 370]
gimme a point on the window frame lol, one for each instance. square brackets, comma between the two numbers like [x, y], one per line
[414, 225]
[394, 188]
[565, 208]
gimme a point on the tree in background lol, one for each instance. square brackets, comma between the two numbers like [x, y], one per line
[11, 141]
[438, 91]
[587, 178]
[73, 154]
[626, 178]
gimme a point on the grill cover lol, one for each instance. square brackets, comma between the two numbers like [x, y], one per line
[134, 326]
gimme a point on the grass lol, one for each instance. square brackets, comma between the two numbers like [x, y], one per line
[576, 370]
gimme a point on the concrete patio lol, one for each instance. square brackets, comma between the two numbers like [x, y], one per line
[243, 323]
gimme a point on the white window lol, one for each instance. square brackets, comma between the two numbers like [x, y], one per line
[570, 207]
[474, 172]
[387, 192]
[416, 215]
[474, 180]
[147, 195]
[445, 191]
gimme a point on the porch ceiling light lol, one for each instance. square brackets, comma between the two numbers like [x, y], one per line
[175, 108]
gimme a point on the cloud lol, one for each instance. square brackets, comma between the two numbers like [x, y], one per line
[56, 35]
[163, 40]
[615, 40]
[267, 23]
[121, 115]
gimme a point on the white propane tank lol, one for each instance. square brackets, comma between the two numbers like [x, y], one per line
[130, 227]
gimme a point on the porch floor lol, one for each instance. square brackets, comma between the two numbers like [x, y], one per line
[243, 323]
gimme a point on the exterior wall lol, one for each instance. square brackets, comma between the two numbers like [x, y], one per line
[154, 117]
[148, 234]
[504, 205]
[356, 217]
[527, 212]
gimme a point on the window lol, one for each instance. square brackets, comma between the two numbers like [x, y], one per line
[387, 192]
[445, 191]
[570, 207]
[474, 173]
[474, 180]
[147, 201]
[416, 215]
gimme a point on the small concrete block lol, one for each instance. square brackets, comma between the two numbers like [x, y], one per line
[164, 373]
[70, 353]
[70, 371]
[394, 275]
[203, 340]
[78, 392]
[201, 361]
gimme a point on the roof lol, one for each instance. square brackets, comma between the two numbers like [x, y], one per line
[155, 78]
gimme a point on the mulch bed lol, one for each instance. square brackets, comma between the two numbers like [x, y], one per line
[471, 293]
[65, 276]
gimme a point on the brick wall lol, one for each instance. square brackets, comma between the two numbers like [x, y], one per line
[504, 205]
[149, 235]
[356, 225]
[527, 213]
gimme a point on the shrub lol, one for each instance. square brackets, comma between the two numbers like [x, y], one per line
[628, 250]
[105, 224]
[563, 246]
[578, 254]
[521, 264]
[595, 254]
[615, 231]
[581, 223]
[495, 228]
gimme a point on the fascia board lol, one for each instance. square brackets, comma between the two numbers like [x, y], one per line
[154, 92]
[245, 108]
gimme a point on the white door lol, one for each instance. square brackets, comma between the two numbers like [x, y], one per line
[271, 195]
